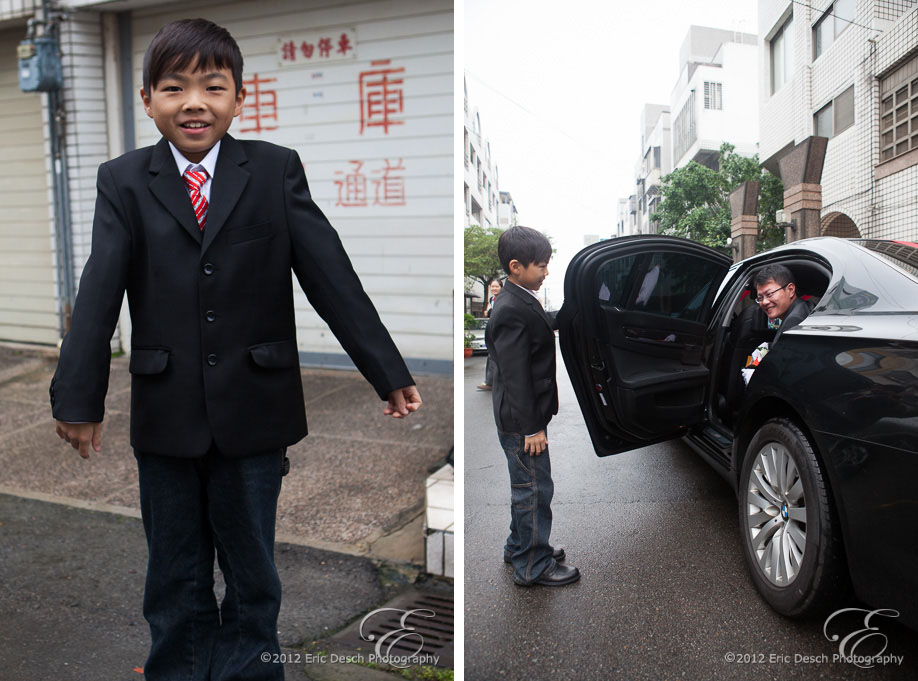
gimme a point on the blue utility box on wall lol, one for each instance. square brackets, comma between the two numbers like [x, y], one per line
[39, 65]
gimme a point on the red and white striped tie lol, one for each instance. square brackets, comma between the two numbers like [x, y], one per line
[194, 180]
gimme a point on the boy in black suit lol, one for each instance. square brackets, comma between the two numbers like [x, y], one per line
[521, 346]
[202, 231]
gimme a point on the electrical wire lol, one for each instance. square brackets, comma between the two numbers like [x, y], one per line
[850, 21]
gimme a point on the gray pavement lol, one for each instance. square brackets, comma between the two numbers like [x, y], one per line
[664, 594]
[72, 549]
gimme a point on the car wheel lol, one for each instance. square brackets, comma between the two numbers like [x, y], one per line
[790, 533]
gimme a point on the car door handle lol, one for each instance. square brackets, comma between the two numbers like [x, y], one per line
[659, 343]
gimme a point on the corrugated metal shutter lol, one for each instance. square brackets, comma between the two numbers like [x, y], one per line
[28, 295]
[384, 179]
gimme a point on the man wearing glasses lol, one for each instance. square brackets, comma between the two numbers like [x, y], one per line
[776, 294]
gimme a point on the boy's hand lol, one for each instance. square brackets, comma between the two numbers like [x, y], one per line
[403, 401]
[81, 436]
[535, 444]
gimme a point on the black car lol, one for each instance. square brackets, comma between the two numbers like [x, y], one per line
[821, 447]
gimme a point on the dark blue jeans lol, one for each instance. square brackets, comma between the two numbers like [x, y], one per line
[190, 507]
[531, 490]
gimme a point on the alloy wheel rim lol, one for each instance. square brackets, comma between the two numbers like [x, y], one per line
[776, 514]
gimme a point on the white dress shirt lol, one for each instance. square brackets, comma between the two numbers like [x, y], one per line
[208, 163]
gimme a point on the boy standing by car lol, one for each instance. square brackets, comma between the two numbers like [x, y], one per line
[521, 347]
[202, 231]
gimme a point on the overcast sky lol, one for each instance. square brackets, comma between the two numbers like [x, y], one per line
[560, 87]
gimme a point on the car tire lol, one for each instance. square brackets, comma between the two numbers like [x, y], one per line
[790, 533]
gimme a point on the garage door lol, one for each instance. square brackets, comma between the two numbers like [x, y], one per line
[364, 92]
[28, 293]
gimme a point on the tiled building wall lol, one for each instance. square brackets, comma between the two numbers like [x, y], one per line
[884, 208]
[782, 117]
[848, 169]
[890, 10]
[894, 197]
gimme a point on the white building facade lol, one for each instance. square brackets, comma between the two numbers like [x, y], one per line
[715, 98]
[625, 217]
[656, 161]
[363, 92]
[847, 70]
[507, 214]
[480, 187]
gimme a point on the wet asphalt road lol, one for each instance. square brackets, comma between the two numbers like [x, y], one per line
[665, 593]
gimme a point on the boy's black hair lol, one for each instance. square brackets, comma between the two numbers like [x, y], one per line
[179, 43]
[781, 275]
[524, 244]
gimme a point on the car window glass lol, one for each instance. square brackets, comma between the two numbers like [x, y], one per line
[665, 284]
[613, 277]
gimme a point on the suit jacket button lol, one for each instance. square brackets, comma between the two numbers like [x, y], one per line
[212, 359]
[208, 269]
[210, 315]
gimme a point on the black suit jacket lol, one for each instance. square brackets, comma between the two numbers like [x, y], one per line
[521, 345]
[213, 350]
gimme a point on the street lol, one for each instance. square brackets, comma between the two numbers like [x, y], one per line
[664, 591]
[73, 553]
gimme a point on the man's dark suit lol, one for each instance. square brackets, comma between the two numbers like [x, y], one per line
[214, 353]
[521, 345]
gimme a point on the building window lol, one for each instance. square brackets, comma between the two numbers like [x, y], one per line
[844, 110]
[684, 133]
[713, 95]
[899, 111]
[836, 116]
[822, 121]
[830, 25]
[782, 55]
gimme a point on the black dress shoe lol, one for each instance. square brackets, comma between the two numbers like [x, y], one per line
[557, 554]
[556, 575]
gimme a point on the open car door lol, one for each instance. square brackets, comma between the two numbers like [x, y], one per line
[632, 332]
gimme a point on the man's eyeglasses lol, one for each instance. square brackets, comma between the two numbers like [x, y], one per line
[768, 296]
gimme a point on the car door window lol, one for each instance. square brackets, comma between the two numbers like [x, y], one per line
[666, 284]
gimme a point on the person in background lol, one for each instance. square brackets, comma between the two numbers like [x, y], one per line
[495, 287]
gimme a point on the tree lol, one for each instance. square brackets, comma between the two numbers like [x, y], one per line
[696, 201]
[481, 263]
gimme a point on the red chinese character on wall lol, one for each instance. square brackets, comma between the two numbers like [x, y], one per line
[308, 49]
[260, 105]
[352, 190]
[288, 51]
[390, 189]
[380, 96]
[344, 44]
[325, 47]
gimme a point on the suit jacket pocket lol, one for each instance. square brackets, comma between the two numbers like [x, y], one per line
[249, 233]
[277, 355]
[147, 361]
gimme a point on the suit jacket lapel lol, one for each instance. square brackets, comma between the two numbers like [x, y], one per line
[226, 188]
[169, 189]
[530, 300]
